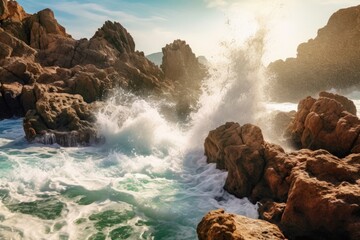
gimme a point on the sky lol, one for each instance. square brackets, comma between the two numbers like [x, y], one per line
[204, 24]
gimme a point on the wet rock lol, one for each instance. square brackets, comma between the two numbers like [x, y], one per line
[220, 225]
[65, 119]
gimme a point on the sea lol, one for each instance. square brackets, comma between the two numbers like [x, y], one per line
[149, 180]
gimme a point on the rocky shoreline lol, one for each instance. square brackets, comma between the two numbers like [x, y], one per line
[54, 81]
[309, 193]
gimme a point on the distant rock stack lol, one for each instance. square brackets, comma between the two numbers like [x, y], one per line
[183, 69]
[331, 60]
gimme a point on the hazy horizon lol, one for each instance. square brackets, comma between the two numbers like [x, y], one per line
[203, 24]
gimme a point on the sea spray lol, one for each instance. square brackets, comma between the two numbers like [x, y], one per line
[234, 92]
[149, 180]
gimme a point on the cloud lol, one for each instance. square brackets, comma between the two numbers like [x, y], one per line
[93, 11]
[216, 3]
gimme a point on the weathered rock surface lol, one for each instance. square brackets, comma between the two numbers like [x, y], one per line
[308, 194]
[38, 58]
[220, 225]
[328, 122]
[61, 118]
[331, 60]
[185, 72]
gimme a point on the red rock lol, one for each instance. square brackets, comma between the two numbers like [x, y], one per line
[224, 226]
[309, 194]
[326, 124]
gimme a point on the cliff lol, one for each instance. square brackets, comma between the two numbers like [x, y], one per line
[330, 60]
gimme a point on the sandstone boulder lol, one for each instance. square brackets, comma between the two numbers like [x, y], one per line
[308, 194]
[65, 117]
[220, 225]
[327, 123]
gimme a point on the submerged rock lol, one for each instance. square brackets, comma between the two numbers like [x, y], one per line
[220, 225]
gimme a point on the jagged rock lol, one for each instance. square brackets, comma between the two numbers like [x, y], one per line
[38, 56]
[4, 12]
[325, 123]
[65, 117]
[220, 225]
[331, 60]
[117, 36]
[16, 12]
[44, 29]
[312, 194]
[181, 66]
[13, 47]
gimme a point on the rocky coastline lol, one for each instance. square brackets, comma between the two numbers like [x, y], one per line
[311, 193]
[55, 81]
[57, 84]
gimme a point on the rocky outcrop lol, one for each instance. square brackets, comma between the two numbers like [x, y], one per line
[61, 118]
[35, 51]
[220, 225]
[184, 70]
[331, 60]
[328, 122]
[308, 194]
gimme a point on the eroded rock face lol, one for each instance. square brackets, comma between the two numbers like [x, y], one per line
[38, 57]
[65, 118]
[328, 122]
[308, 194]
[331, 60]
[220, 225]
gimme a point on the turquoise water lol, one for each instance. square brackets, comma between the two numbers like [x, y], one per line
[136, 186]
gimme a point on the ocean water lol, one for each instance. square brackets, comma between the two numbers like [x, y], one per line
[150, 180]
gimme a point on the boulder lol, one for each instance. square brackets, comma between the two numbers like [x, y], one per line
[324, 198]
[220, 225]
[308, 194]
[67, 118]
[328, 122]
[331, 60]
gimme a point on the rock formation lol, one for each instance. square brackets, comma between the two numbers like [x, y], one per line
[308, 194]
[220, 225]
[184, 70]
[37, 57]
[331, 60]
[328, 122]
